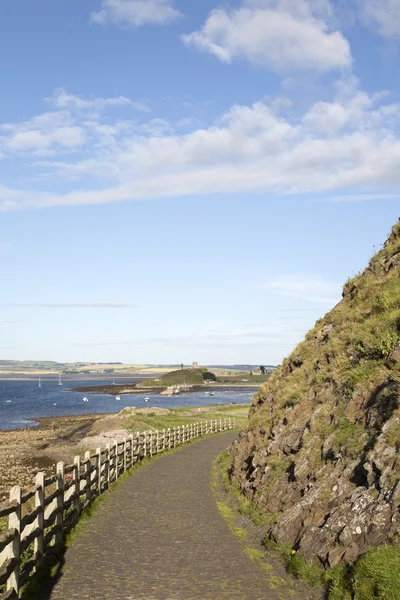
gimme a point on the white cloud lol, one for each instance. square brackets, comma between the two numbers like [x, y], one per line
[279, 34]
[310, 288]
[135, 12]
[74, 123]
[383, 14]
[41, 133]
[349, 144]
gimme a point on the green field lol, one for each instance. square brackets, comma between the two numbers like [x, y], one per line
[185, 415]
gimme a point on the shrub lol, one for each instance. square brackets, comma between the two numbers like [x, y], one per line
[208, 376]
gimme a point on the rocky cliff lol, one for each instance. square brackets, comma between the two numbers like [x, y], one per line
[320, 454]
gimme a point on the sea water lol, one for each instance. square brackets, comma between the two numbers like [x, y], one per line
[23, 401]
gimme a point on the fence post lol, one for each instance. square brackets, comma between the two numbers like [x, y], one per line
[124, 456]
[88, 477]
[169, 438]
[151, 443]
[14, 522]
[157, 441]
[116, 459]
[60, 502]
[77, 463]
[38, 546]
[131, 438]
[98, 465]
[108, 464]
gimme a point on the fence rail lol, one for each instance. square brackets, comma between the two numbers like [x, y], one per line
[38, 518]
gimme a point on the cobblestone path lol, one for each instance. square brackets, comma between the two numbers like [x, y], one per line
[159, 536]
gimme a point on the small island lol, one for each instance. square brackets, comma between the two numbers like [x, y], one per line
[185, 380]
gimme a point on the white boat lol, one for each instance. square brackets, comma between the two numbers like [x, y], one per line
[118, 397]
[85, 400]
[39, 385]
[8, 401]
[212, 393]
[146, 399]
[59, 379]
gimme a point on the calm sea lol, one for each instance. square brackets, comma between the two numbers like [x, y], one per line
[23, 401]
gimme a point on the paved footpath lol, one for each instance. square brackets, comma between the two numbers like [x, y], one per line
[159, 536]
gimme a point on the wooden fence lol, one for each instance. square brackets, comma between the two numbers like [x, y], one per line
[39, 518]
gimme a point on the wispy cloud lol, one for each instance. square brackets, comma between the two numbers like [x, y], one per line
[382, 15]
[310, 288]
[257, 335]
[64, 100]
[134, 13]
[362, 197]
[70, 305]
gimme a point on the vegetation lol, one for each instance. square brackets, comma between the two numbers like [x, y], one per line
[243, 378]
[177, 417]
[179, 377]
[208, 376]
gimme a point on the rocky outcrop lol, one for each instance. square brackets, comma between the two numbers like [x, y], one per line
[320, 455]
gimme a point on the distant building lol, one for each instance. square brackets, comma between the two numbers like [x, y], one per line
[195, 365]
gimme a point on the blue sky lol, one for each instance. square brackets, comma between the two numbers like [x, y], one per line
[187, 181]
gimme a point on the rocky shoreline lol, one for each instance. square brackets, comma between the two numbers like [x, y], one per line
[24, 452]
[113, 390]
